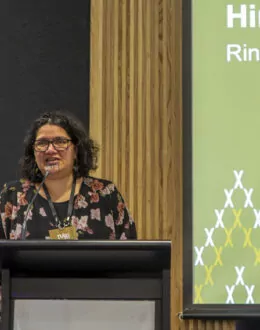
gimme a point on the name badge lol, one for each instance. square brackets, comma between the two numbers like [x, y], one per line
[64, 233]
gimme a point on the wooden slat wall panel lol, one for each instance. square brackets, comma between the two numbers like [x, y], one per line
[136, 116]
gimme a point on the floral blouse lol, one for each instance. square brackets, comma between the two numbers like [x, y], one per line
[99, 212]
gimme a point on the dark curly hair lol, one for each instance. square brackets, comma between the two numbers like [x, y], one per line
[87, 149]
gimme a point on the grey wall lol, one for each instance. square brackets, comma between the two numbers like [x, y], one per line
[44, 64]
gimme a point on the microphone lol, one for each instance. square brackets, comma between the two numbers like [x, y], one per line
[24, 227]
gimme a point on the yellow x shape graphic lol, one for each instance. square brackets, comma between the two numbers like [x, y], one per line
[228, 238]
[237, 215]
[208, 274]
[218, 255]
[247, 241]
[257, 256]
[198, 298]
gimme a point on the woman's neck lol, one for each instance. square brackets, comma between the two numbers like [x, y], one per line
[60, 189]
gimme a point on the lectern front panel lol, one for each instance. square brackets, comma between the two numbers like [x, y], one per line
[83, 314]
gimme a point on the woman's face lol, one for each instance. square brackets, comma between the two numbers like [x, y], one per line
[58, 157]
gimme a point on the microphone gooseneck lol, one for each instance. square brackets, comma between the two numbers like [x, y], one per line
[24, 226]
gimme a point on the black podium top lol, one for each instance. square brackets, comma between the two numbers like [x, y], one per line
[81, 256]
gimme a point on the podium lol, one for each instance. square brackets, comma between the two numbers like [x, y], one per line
[126, 271]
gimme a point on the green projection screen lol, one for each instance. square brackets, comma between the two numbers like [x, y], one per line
[221, 97]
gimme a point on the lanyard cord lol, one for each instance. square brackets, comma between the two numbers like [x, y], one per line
[70, 206]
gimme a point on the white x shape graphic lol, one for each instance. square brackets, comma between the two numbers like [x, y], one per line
[238, 183]
[249, 291]
[230, 291]
[239, 275]
[219, 215]
[257, 218]
[229, 200]
[248, 194]
[209, 236]
[199, 252]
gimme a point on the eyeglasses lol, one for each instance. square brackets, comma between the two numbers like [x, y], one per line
[59, 143]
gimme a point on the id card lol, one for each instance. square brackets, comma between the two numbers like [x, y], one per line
[64, 233]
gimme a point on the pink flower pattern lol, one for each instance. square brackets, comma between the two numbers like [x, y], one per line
[21, 198]
[16, 233]
[14, 212]
[26, 185]
[95, 214]
[80, 202]
[110, 222]
[29, 215]
[94, 197]
[42, 212]
[123, 236]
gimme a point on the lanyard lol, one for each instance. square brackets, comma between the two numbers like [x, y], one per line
[70, 206]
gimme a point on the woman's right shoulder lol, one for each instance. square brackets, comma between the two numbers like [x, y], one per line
[21, 185]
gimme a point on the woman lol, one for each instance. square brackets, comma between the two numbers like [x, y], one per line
[56, 198]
